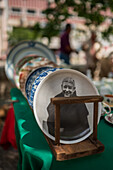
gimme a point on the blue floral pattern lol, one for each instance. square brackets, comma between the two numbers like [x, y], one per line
[37, 82]
[31, 78]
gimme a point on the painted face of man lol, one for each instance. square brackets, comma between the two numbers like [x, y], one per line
[68, 89]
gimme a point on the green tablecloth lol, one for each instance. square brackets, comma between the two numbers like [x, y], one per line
[34, 151]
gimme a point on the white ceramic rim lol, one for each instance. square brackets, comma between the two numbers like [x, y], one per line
[23, 49]
[35, 109]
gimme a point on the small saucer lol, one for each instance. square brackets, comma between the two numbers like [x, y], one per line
[109, 118]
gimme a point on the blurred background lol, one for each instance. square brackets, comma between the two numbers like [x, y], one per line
[44, 21]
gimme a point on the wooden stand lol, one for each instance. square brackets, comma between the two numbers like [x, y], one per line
[87, 147]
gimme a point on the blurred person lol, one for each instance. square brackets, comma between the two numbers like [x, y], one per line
[73, 117]
[90, 51]
[65, 47]
[106, 66]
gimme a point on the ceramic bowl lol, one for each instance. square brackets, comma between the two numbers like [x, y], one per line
[37, 81]
[109, 98]
[105, 89]
[76, 121]
[108, 81]
[23, 49]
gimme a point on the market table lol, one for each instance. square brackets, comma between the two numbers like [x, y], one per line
[35, 153]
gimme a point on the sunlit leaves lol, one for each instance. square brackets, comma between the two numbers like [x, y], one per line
[90, 10]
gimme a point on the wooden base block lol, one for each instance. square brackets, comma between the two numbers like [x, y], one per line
[87, 147]
[77, 150]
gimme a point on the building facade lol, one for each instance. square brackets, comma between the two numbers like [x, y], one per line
[3, 28]
[19, 13]
[26, 12]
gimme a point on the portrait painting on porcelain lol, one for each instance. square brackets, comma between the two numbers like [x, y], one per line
[73, 117]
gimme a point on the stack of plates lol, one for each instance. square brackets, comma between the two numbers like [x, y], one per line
[20, 65]
[23, 49]
[31, 67]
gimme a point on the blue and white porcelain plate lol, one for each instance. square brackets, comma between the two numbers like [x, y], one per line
[37, 81]
[31, 78]
[23, 49]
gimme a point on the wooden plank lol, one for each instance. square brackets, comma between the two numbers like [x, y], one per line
[77, 150]
[57, 124]
[79, 147]
[95, 119]
[78, 99]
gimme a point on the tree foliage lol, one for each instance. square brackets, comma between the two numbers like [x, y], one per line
[21, 33]
[91, 10]
[59, 11]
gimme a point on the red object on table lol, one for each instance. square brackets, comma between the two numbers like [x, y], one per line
[8, 133]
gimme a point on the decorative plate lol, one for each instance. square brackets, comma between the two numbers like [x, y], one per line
[20, 64]
[29, 67]
[25, 60]
[38, 62]
[76, 120]
[31, 78]
[37, 82]
[24, 49]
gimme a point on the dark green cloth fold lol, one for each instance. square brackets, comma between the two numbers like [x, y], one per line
[34, 151]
